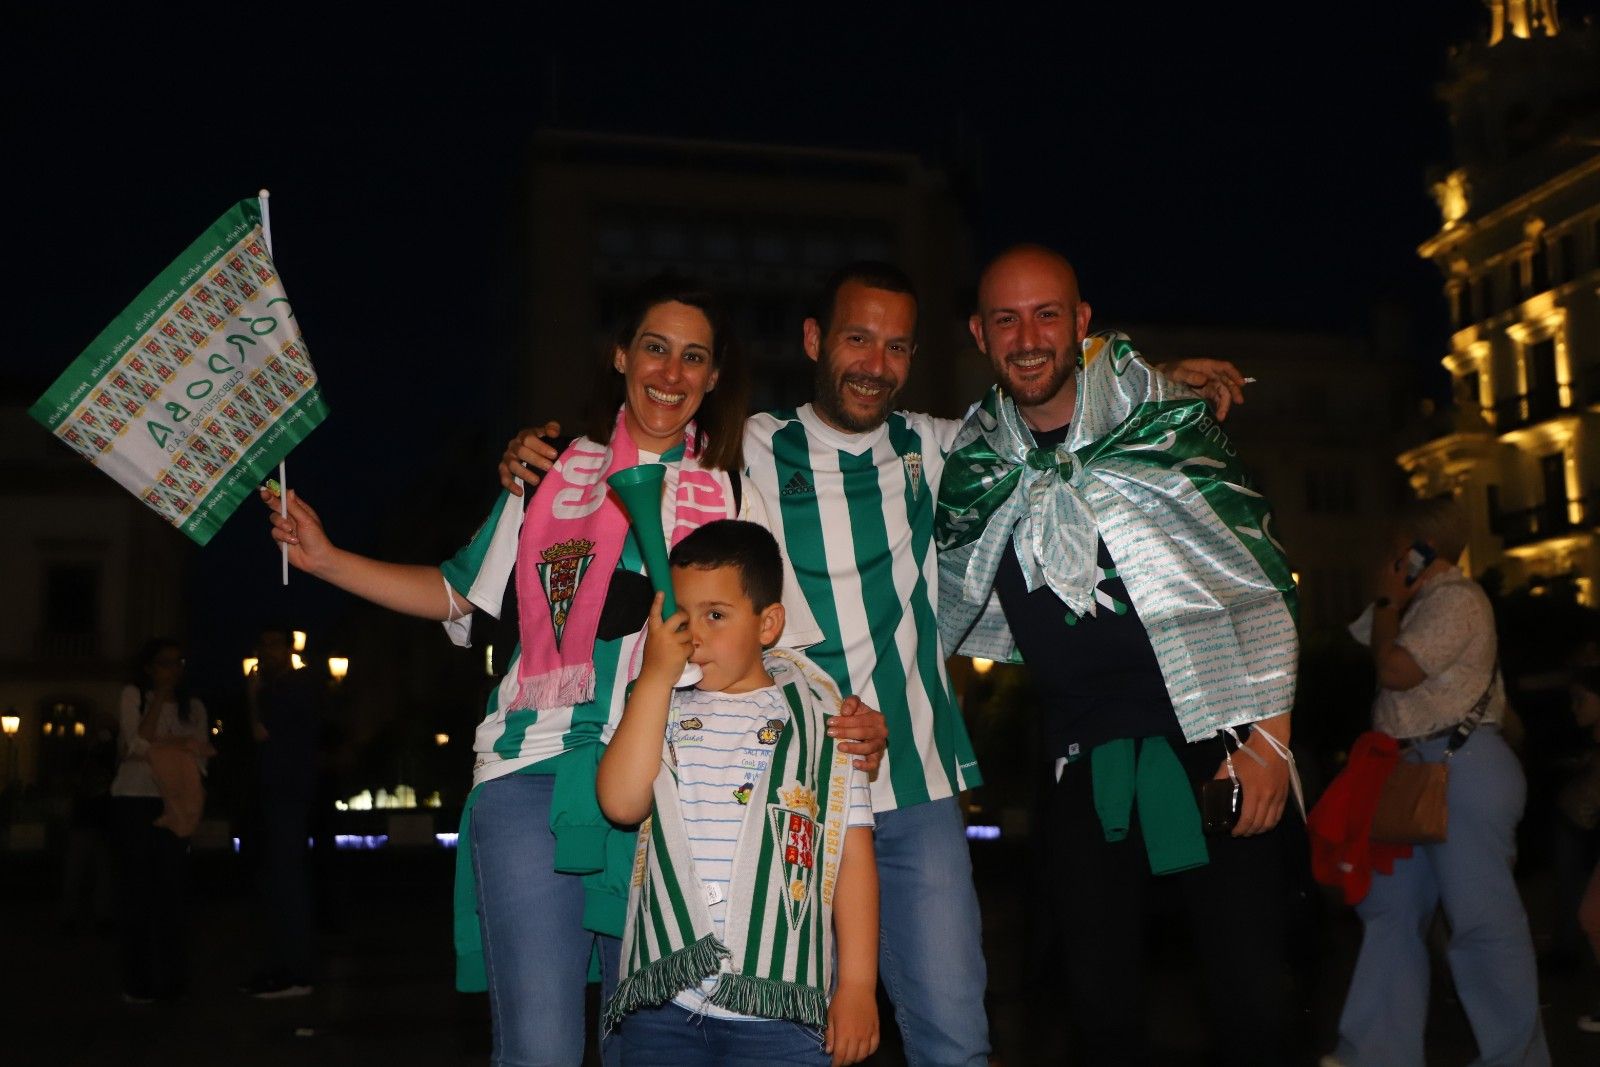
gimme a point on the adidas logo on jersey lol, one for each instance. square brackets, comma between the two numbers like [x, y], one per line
[799, 486]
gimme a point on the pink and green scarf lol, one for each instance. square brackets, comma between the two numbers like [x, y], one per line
[569, 546]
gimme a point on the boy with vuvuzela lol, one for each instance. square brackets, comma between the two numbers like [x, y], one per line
[754, 874]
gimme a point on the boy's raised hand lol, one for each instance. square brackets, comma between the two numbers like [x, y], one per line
[852, 1025]
[667, 644]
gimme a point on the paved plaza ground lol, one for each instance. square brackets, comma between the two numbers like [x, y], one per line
[386, 996]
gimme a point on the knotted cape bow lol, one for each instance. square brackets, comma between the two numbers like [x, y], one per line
[1145, 467]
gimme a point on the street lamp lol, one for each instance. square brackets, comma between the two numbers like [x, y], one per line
[338, 667]
[250, 665]
[10, 723]
[299, 640]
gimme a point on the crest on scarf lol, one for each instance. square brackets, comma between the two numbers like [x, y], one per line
[794, 832]
[913, 462]
[563, 568]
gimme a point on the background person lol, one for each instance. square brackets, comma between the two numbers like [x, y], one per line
[152, 861]
[285, 722]
[1433, 643]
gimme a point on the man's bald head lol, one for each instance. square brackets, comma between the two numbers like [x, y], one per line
[1030, 322]
[1024, 261]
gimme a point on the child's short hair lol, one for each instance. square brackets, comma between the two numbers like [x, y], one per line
[735, 543]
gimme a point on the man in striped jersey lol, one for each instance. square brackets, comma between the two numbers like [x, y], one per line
[848, 485]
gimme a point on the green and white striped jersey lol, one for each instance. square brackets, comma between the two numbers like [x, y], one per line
[854, 514]
[507, 741]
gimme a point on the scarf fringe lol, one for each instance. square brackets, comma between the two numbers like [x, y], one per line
[563, 687]
[769, 998]
[660, 980]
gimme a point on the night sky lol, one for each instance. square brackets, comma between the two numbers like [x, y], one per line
[1245, 164]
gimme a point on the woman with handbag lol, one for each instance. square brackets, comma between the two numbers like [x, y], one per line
[1431, 631]
[158, 719]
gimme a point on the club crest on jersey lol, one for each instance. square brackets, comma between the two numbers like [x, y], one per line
[913, 462]
[794, 833]
[563, 568]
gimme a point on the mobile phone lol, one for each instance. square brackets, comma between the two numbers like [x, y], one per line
[1221, 801]
[1418, 557]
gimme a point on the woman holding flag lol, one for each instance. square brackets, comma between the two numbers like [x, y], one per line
[541, 876]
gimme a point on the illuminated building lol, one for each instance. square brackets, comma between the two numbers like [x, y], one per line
[1519, 248]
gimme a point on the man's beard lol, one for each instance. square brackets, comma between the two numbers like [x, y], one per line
[1037, 391]
[827, 393]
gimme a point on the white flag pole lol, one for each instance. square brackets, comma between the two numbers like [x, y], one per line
[283, 477]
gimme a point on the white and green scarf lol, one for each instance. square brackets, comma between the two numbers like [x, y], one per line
[1145, 467]
[776, 958]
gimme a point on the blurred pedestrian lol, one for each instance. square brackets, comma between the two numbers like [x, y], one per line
[152, 861]
[1432, 634]
[86, 884]
[285, 721]
[1579, 802]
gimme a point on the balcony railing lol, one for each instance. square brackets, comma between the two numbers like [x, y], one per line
[1518, 411]
[1547, 520]
[48, 645]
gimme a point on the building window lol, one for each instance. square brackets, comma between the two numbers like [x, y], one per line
[1553, 473]
[1539, 267]
[1566, 265]
[1483, 296]
[69, 615]
[1330, 492]
[1469, 394]
[71, 599]
[1544, 392]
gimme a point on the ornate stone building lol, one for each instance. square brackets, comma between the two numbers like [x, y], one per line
[1519, 248]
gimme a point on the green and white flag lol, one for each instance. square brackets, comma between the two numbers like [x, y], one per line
[199, 387]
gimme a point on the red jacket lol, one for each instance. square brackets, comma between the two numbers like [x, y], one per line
[1342, 854]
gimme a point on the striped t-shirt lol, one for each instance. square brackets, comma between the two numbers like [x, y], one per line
[509, 739]
[723, 743]
[854, 514]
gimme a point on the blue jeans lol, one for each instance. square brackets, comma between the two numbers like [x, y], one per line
[1491, 951]
[931, 957]
[670, 1036]
[535, 949]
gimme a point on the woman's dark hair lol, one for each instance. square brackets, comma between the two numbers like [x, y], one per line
[720, 420]
[139, 675]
